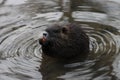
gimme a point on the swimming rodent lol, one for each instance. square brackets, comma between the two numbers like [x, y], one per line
[65, 41]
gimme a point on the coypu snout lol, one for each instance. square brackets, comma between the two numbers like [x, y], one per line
[44, 39]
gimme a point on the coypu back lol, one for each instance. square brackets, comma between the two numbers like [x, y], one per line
[65, 41]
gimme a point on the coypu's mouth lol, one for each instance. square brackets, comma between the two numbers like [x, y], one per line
[43, 40]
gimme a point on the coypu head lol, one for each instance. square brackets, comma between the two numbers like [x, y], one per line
[65, 41]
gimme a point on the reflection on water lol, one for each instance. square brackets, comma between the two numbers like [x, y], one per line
[22, 23]
[14, 2]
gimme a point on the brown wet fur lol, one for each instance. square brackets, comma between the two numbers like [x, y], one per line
[65, 41]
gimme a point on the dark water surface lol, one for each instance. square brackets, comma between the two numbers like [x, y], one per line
[23, 21]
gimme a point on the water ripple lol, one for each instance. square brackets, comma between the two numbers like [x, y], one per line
[22, 23]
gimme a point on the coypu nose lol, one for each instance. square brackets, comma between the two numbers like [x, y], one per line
[44, 34]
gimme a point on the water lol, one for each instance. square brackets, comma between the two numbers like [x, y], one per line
[23, 21]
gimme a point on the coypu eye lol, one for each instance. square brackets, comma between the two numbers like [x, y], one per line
[64, 30]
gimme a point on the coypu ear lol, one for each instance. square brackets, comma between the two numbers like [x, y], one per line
[65, 29]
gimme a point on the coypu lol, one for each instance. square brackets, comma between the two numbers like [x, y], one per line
[65, 41]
